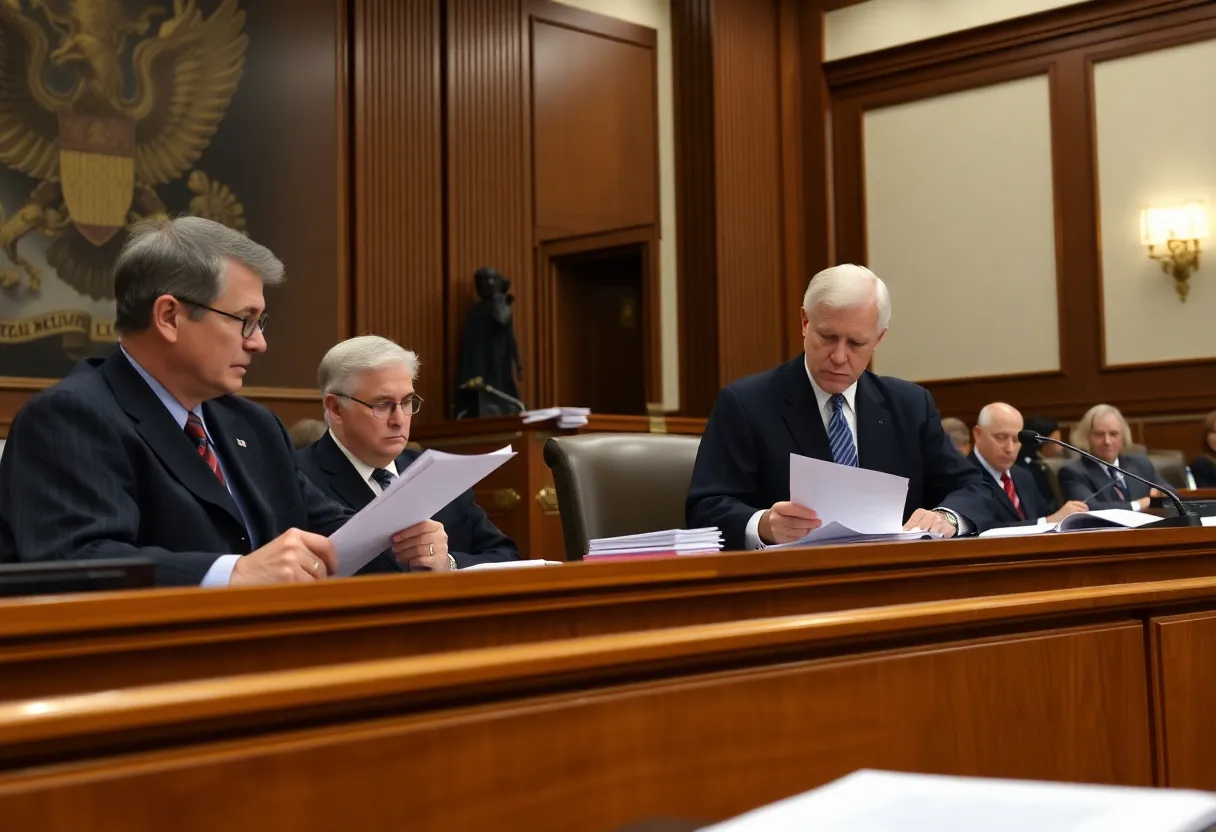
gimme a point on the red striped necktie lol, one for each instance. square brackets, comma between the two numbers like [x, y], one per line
[194, 429]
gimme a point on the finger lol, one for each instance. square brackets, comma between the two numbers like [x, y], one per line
[793, 510]
[422, 562]
[796, 524]
[322, 550]
[418, 529]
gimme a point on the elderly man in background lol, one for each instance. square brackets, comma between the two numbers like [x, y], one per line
[1018, 500]
[370, 401]
[825, 404]
[956, 429]
[1102, 431]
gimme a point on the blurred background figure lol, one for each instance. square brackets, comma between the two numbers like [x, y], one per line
[959, 434]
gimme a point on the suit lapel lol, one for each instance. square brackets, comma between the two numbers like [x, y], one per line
[877, 447]
[1002, 497]
[167, 440]
[343, 478]
[239, 459]
[801, 413]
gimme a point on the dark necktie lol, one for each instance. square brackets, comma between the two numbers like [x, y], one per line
[840, 437]
[194, 430]
[382, 478]
[1120, 488]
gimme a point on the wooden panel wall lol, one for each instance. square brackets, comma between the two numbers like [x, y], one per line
[398, 181]
[1064, 43]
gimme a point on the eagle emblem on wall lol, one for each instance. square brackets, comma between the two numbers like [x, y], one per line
[115, 107]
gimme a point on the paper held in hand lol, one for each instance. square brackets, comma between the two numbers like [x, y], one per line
[433, 480]
[856, 505]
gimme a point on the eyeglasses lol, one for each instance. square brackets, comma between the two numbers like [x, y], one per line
[410, 405]
[248, 325]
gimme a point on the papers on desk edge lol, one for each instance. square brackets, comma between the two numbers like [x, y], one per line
[432, 481]
[1083, 521]
[868, 800]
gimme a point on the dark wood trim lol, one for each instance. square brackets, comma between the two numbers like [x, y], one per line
[343, 49]
[591, 23]
[795, 157]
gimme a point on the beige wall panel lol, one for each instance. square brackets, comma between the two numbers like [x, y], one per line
[1155, 121]
[960, 224]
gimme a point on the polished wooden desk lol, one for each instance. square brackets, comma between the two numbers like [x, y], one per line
[698, 722]
[519, 497]
[55, 645]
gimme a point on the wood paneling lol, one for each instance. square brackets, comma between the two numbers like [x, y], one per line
[1184, 656]
[1065, 43]
[489, 176]
[398, 180]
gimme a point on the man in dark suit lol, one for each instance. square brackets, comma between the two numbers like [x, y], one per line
[368, 385]
[996, 446]
[1031, 456]
[1102, 431]
[147, 453]
[825, 404]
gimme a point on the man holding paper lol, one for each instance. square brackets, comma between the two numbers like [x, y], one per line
[826, 405]
[369, 399]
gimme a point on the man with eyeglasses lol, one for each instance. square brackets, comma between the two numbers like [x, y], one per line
[369, 400]
[147, 453]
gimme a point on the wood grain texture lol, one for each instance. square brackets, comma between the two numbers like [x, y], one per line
[1184, 657]
[398, 181]
[489, 158]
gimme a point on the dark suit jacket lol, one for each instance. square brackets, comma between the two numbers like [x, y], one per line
[96, 467]
[1080, 478]
[743, 465]
[1203, 469]
[1033, 504]
[472, 538]
[1034, 465]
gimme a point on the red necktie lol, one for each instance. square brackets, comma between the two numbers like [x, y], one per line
[1007, 484]
[194, 429]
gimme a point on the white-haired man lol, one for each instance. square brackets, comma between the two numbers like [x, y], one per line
[368, 385]
[996, 446]
[825, 404]
[1102, 431]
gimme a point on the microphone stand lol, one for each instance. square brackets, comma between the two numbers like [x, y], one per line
[1187, 515]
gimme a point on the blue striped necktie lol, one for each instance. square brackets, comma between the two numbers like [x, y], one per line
[844, 451]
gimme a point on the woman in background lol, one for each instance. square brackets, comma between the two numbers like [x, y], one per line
[1203, 467]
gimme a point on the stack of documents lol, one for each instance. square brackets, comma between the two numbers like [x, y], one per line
[856, 505]
[1083, 521]
[433, 480]
[869, 801]
[567, 417]
[657, 544]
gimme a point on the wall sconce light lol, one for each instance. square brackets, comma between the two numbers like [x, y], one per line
[1172, 236]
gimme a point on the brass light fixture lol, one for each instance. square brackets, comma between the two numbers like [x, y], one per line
[1173, 236]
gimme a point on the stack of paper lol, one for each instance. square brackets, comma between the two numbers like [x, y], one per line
[433, 480]
[567, 417]
[1083, 521]
[657, 544]
[869, 801]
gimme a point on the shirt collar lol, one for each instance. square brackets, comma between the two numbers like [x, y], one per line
[175, 408]
[988, 467]
[365, 470]
[823, 397]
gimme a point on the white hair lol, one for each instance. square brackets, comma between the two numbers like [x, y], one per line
[363, 354]
[1082, 429]
[847, 286]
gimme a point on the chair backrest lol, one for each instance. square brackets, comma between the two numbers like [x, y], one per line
[1053, 466]
[610, 484]
[1171, 466]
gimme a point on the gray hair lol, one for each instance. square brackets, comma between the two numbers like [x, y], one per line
[847, 286]
[957, 430]
[1083, 428]
[363, 354]
[186, 258]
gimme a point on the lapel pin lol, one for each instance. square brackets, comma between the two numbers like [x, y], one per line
[241, 442]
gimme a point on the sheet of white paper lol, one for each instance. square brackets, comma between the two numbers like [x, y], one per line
[882, 801]
[414, 496]
[512, 564]
[839, 533]
[868, 502]
[1119, 516]
[1208, 521]
[1020, 531]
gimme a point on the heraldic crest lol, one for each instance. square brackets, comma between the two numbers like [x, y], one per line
[100, 131]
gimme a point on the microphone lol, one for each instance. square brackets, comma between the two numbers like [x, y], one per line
[1187, 516]
[478, 383]
[1099, 491]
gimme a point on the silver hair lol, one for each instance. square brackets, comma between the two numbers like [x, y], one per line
[186, 258]
[1085, 426]
[847, 286]
[363, 354]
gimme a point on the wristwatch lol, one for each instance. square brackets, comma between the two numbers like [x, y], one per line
[950, 516]
[452, 560]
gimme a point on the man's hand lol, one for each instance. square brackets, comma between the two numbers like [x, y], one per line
[1144, 502]
[294, 556]
[1071, 507]
[786, 522]
[424, 546]
[930, 521]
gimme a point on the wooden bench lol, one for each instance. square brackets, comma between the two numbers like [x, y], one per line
[58, 645]
[1102, 684]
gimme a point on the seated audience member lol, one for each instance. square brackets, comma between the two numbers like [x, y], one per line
[956, 429]
[1203, 467]
[368, 385]
[306, 431]
[1019, 502]
[825, 404]
[1102, 431]
[148, 452]
[1031, 457]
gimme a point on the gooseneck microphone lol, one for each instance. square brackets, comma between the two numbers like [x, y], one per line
[1187, 516]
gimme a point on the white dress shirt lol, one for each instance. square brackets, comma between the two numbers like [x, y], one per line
[365, 470]
[996, 475]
